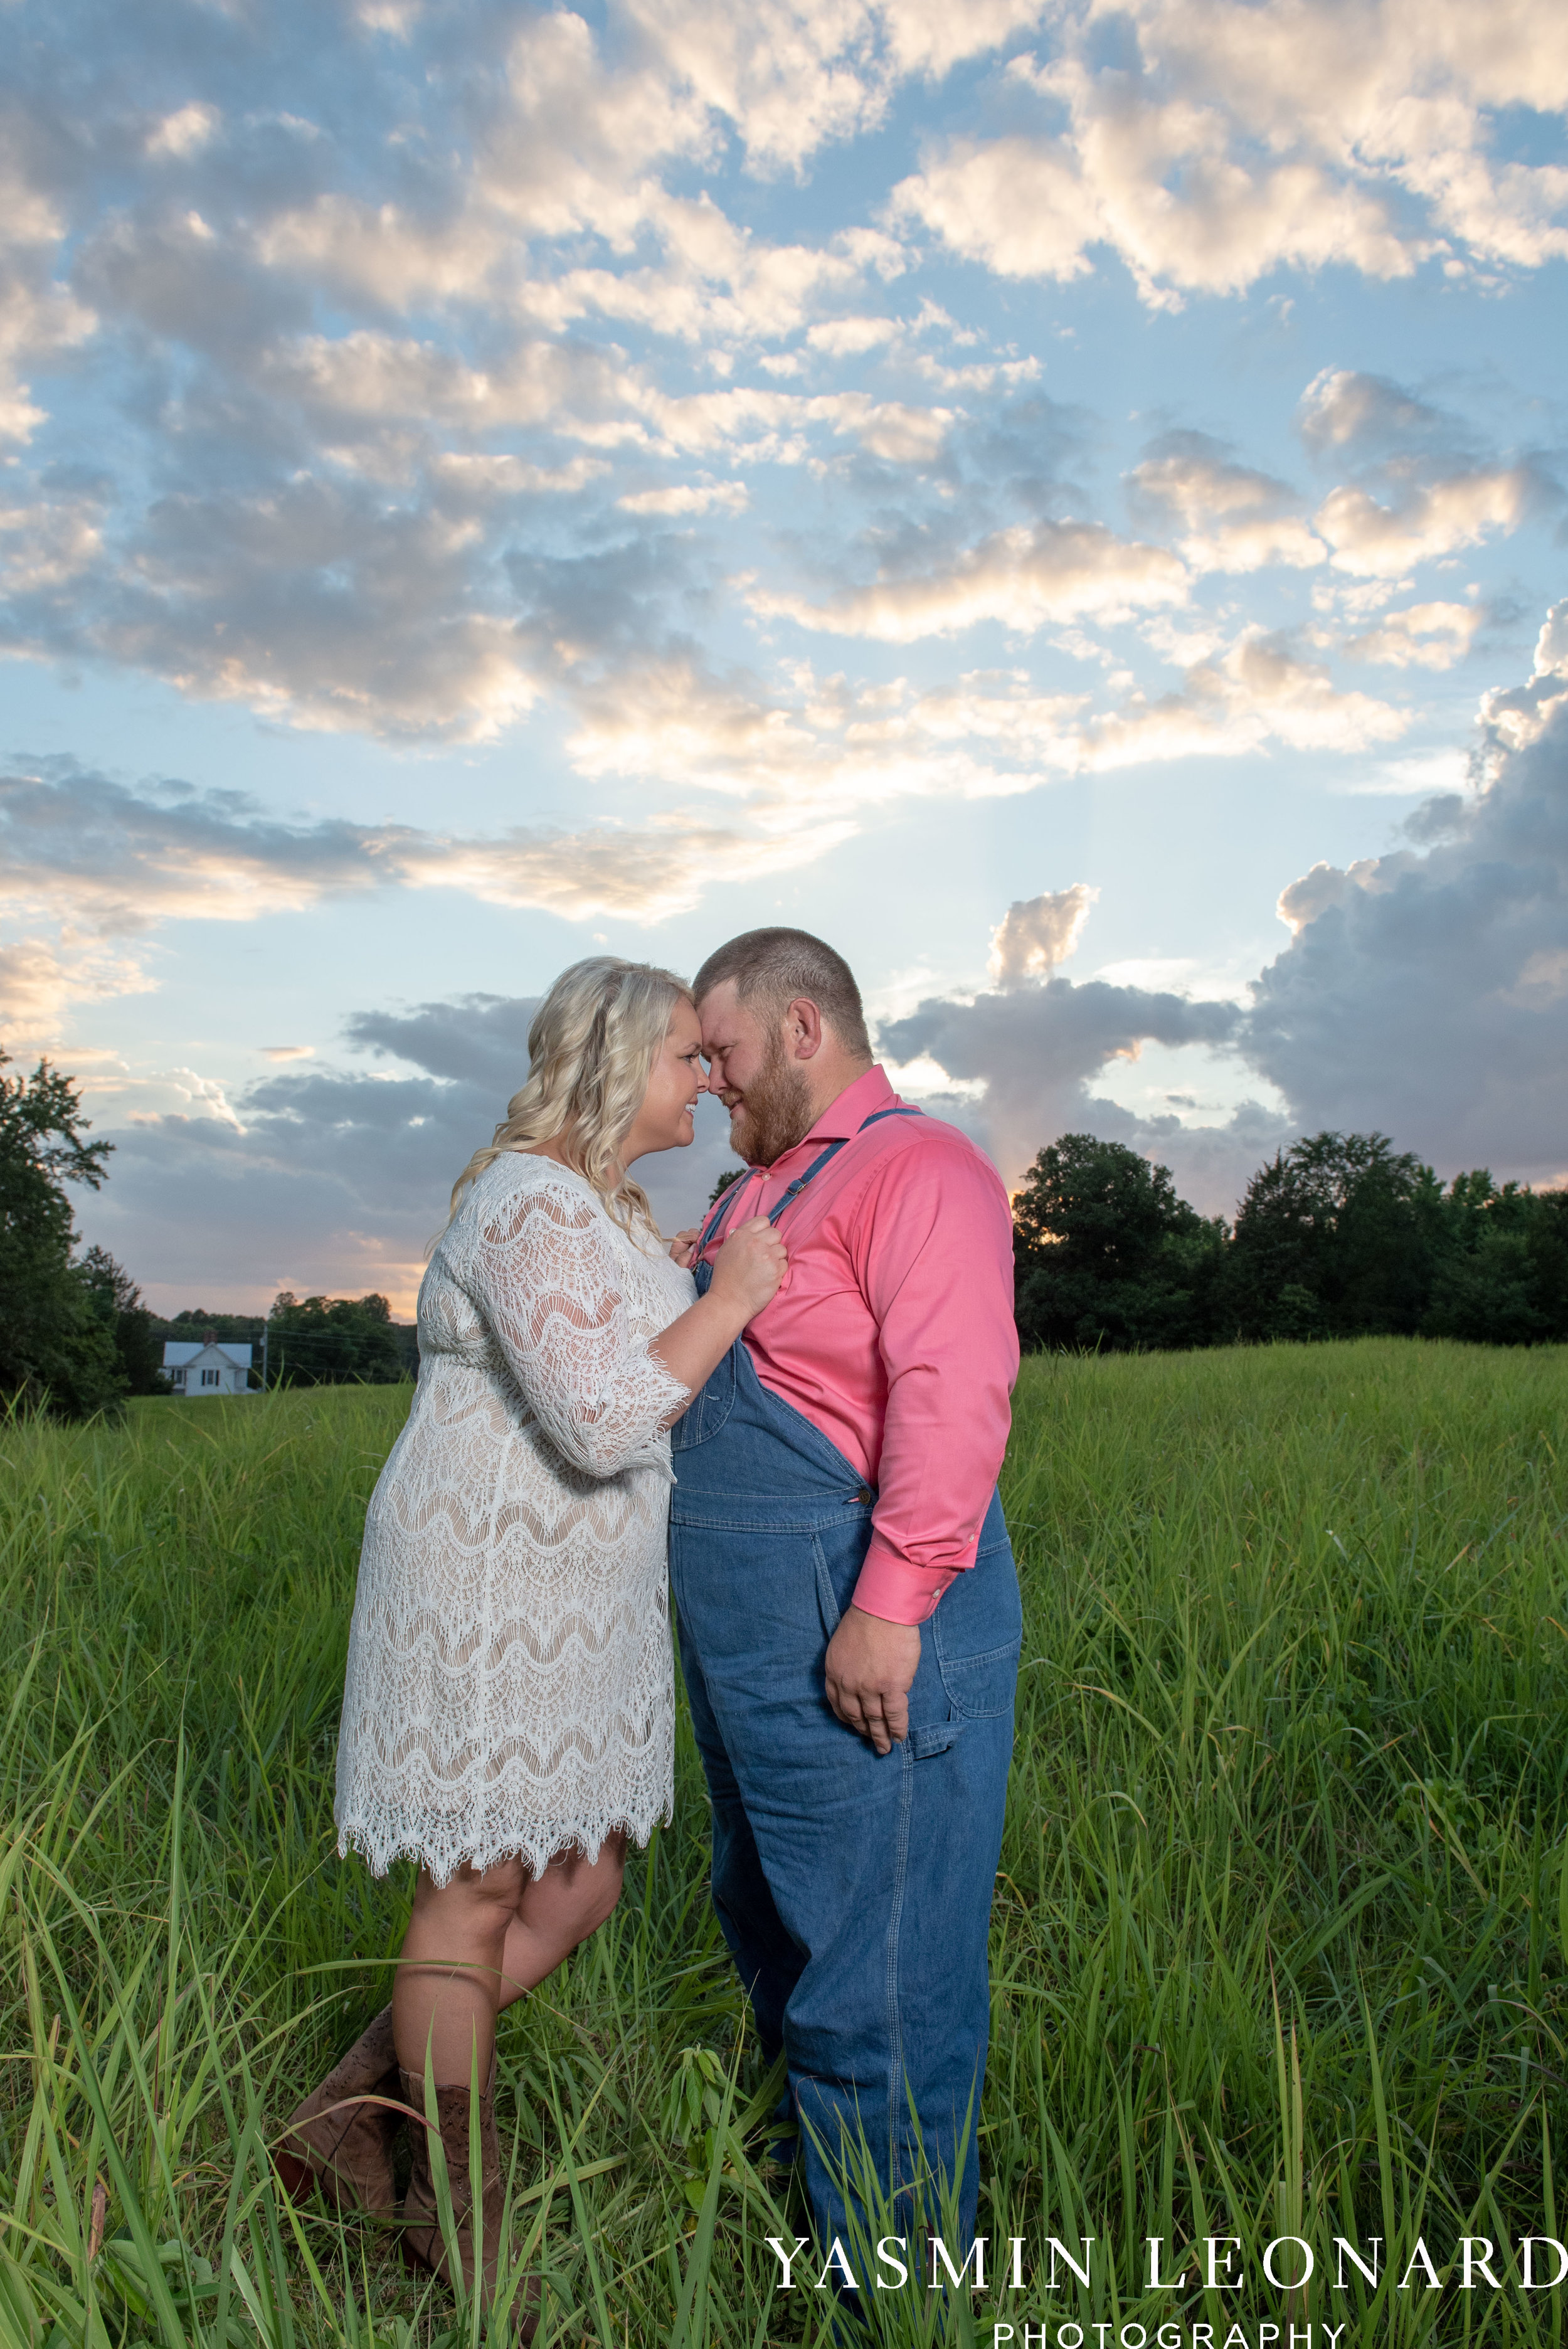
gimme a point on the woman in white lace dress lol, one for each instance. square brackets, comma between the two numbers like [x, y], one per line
[508, 1719]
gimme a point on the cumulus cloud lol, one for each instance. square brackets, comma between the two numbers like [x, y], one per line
[1429, 519]
[1022, 577]
[42, 977]
[1211, 144]
[1424, 489]
[314, 603]
[1347, 413]
[1036, 933]
[1236, 518]
[1037, 1045]
[1424, 993]
[1425, 990]
[1422, 635]
[1259, 689]
[804, 752]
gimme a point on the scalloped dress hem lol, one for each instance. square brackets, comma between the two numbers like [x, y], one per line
[380, 1853]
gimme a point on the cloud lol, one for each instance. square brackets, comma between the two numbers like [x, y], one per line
[1022, 577]
[1259, 690]
[42, 977]
[184, 132]
[687, 498]
[1424, 491]
[1037, 1046]
[1425, 990]
[1036, 933]
[1423, 636]
[1427, 519]
[40, 318]
[1211, 142]
[1424, 993]
[314, 603]
[86, 848]
[1237, 519]
[1345, 413]
[805, 751]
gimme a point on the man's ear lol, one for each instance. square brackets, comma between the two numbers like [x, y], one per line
[802, 1029]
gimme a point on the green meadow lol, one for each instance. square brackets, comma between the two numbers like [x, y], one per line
[1279, 1935]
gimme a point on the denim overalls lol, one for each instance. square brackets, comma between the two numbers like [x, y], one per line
[853, 1889]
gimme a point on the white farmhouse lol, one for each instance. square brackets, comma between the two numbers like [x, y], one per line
[208, 1369]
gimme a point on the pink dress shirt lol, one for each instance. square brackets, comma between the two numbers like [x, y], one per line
[894, 1331]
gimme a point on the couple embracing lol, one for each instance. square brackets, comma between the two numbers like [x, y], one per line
[807, 1400]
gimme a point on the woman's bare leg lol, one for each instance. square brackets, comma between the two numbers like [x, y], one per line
[557, 1910]
[449, 1981]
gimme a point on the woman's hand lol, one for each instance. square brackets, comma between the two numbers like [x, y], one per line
[749, 1268]
[683, 1247]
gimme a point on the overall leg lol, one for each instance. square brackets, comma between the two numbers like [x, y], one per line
[881, 1868]
[766, 1957]
[959, 1796]
[810, 1825]
[943, 1997]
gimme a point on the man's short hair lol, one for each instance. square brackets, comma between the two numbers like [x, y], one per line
[771, 967]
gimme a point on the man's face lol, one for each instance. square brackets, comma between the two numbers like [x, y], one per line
[766, 1096]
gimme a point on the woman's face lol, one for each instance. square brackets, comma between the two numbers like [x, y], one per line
[665, 1119]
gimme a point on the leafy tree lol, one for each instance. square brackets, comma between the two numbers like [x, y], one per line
[333, 1341]
[1338, 1236]
[1107, 1253]
[54, 1342]
[195, 1322]
[1502, 1278]
[117, 1300]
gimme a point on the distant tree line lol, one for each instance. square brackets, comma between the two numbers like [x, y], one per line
[1339, 1236]
[309, 1342]
[73, 1330]
[75, 1334]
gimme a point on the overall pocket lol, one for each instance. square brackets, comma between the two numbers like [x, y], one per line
[838, 1552]
[978, 1627]
[708, 1408]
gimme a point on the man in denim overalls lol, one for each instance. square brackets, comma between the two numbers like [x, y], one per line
[849, 1610]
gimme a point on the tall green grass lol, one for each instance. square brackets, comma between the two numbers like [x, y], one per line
[1279, 1935]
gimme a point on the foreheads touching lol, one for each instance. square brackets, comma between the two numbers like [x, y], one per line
[784, 1034]
[747, 990]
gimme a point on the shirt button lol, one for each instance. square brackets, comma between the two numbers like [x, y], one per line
[864, 1494]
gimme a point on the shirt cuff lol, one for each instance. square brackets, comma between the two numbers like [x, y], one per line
[900, 1592]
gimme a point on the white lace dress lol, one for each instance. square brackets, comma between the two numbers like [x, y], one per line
[509, 1687]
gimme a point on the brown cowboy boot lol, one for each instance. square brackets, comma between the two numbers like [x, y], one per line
[342, 2142]
[423, 2242]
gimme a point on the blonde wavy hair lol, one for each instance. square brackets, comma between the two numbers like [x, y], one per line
[591, 1052]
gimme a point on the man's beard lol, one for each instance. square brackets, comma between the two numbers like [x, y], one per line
[776, 1113]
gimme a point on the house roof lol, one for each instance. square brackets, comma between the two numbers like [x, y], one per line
[181, 1354]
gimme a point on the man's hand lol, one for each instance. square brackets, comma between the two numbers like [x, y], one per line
[869, 1667]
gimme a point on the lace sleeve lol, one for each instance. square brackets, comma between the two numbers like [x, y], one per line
[544, 1277]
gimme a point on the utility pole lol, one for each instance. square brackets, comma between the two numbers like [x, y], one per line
[266, 1332]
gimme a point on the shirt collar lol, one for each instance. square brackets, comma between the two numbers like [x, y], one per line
[846, 1115]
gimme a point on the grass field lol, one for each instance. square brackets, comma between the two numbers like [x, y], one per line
[1279, 1935]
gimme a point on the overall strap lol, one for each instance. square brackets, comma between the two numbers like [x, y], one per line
[794, 1189]
[832, 1150]
[715, 1221]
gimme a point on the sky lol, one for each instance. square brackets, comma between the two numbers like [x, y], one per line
[1066, 501]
